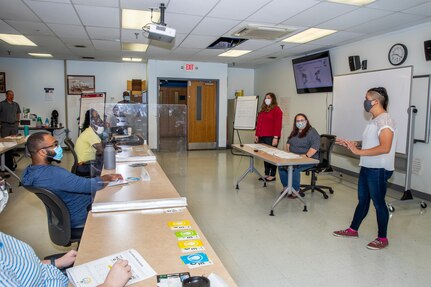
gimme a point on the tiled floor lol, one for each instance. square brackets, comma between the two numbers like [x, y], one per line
[293, 248]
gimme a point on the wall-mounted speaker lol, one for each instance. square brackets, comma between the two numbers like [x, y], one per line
[427, 46]
[354, 63]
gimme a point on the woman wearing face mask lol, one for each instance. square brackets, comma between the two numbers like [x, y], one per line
[304, 140]
[89, 146]
[377, 157]
[268, 129]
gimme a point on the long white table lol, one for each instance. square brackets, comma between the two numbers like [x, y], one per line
[6, 145]
[254, 153]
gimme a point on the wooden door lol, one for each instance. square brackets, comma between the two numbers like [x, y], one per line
[202, 114]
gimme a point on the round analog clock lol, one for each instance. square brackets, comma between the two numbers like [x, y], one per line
[397, 54]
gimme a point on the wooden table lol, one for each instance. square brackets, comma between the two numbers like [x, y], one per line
[274, 159]
[9, 144]
[112, 232]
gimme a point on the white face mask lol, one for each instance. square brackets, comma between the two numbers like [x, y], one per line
[99, 130]
[268, 102]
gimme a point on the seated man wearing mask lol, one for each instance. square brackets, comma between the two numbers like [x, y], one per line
[89, 146]
[19, 265]
[76, 192]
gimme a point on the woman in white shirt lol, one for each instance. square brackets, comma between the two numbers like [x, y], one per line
[377, 157]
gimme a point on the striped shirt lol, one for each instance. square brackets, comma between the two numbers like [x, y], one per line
[19, 266]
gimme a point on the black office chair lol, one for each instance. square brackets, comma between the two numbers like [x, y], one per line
[326, 144]
[59, 226]
[93, 171]
[71, 146]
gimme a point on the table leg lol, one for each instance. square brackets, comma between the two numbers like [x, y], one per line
[288, 189]
[250, 169]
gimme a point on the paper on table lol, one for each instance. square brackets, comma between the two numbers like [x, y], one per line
[117, 182]
[138, 204]
[94, 273]
[256, 146]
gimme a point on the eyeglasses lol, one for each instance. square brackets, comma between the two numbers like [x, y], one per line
[54, 145]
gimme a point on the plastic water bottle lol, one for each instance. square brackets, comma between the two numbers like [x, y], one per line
[109, 156]
[26, 131]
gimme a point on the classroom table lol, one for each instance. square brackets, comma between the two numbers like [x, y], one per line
[254, 153]
[147, 231]
[49, 129]
[9, 143]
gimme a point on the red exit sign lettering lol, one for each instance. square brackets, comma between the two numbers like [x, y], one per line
[189, 67]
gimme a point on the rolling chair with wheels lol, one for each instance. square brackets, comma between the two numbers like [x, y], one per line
[93, 171]
[326, 144]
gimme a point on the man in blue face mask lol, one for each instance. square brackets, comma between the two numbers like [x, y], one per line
[75, 191]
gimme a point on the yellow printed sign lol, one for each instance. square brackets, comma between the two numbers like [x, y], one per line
[181, 224]
[190, 243]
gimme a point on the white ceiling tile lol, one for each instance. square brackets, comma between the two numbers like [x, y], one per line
[141, 4]
[7, 29]
[336, 38]
[356, 17]
[102, 3]
[54, 12]
[47, 41]
[100, 33]
[305, 49]
[210, 52]
[197, 41]
[99, 16]
[134, 36]
[68, 31]
[182, 23]
[214, 26]
[279, 10]
[16, 10]
[424, 9]
[107, 45]
[152, 50]
[71, 42]
[238, 10]
[30, 28]
[185, 51]
[253, 44]
[191, 7]
[392, 5]
[386, 24]
[56, 1]
[319, 13]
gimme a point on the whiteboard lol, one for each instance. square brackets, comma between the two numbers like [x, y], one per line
[245, 113]
[93, 100]
[420, 99]
[349, 118]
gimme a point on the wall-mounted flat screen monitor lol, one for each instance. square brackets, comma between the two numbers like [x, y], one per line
[313, 73]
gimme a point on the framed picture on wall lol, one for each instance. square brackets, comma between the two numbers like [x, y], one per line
[2, 82]
[77, 84]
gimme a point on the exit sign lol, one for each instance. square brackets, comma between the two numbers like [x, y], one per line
[189, 67]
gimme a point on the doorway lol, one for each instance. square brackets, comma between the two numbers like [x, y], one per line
[187, 114]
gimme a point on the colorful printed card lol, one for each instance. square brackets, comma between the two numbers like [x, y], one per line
[181, 224]
[196, 260]
[191, 245]
[186, 234]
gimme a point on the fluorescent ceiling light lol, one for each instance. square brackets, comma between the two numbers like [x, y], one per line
[309, 35]
[136, 19]
[234, 53]
[353, 2]
[136, 47]
[16, 40]
[132, 59]
[42, 55]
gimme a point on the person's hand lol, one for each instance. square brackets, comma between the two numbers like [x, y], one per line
[351, 145]
[111, 177]
[341, 141]
[256, 139]
[274, 142]
[66, 260]
[119, 274]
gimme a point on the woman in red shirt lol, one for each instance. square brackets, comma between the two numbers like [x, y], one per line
[268, 129]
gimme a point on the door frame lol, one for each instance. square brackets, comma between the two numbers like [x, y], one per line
[217, 81]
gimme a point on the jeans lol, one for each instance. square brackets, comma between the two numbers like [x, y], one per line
[270, 169]
[296, 175]
[372, 185]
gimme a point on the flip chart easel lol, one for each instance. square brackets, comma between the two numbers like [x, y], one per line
[91, 101]
[245, 114]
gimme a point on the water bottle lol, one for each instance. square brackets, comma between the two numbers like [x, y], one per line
[109, 156]
[26, 132]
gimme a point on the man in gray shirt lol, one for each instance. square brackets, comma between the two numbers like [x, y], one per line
[9, 115]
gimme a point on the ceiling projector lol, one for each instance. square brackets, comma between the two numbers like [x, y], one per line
[161, 33]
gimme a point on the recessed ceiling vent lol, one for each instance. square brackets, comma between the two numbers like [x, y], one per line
[253, 31]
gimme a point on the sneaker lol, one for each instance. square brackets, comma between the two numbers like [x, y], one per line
[377, 244]
[346, 233]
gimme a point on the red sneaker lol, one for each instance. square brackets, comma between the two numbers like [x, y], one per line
[377, 244]
[350, 233]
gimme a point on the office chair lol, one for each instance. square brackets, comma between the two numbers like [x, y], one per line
[93, 172]
[326, 144]
[71, 146]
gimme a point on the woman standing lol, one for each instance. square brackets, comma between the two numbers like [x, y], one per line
[268, 129]
[304, 140]
[377, 156]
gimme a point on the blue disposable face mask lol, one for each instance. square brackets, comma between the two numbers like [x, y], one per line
[301, 125]
[368, 105]
[127, 98]
[58, 153]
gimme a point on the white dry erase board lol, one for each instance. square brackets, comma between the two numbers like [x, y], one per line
[420, 99]
[245, 112]
[349, 118]
[91, 100]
